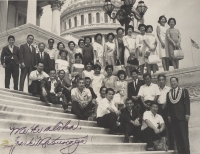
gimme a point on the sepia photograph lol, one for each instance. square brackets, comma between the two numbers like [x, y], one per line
[99, 76]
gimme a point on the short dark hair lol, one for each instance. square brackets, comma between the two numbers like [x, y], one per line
[128, 99]
[86, 38]
[80, 40]
[61, 71]
[71, 42]
[98, 34]
[141, 25]
[78, 55]
[109, 66]
[171, 19]
[52, 70]
[113, 35]
[148, 26]
[87, 78]
[61, 51]
[81, 79]
[173, 77]
[59, 44]
[11, 36]
[161, 18]
[121, 72]
[102, 88]
[118, 29]
[135, 71]
[153, 103]
[161, 75]
[89, 63]
[51, 39]
[97, 66]
[146, 74]
[130, 26]
[110, 89]
[41, 43]
[30, 35]
[40, 63]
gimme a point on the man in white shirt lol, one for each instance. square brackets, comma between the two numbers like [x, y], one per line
[35, 79]
[107, 113]
[82, 104]
[162, 110]
[153, 126]
[149, 92]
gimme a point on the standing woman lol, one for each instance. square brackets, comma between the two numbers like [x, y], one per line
[174, 40]
[163, 47]
[81, 44]
[10, 60]
[71, 53]
[77, 67]
[98, 50]
[141, 46]
[110, 49]
[60, 46]
[88, 55]
[110, 80]
[120, 45]
[130, 47]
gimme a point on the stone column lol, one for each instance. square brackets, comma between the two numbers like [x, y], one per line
[56, 7]
[39, 14]
[31, 12]
[3, 15]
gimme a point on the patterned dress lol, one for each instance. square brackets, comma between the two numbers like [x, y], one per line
[121, 86]
[141, 48]
[109, 53]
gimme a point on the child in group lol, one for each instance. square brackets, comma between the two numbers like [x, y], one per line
[97, 79]
[88, 72]
[77, 67]
[151, 44]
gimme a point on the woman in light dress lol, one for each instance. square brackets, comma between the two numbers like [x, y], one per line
[162, 43]
[61, 46]
[98, 50]
[110, 79]
[174, 40]
[141, 46]
[77, 67]
[81, 45]
[110, 49]
[151, 44]
[130, 47]
[71, 53]
[88, 72]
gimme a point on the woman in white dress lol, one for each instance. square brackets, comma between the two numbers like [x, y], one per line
[110, 49]
[98, 50]
[88, 72]
[71, 53]
[77, 67]
[141, 46]
[162, 43]
[81, 44]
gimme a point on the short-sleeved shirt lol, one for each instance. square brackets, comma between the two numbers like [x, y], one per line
[163, 95]
[82, 96]
[149, 92]
[155, 120]
[88, 74]
[103, 105]
[130, 41]
[36, 75]
[99, 48]
[63, 65]
[53, 53]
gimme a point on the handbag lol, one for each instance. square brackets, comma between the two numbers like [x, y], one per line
[118, 67]
[133, 61]
[154, 59]
[178, 54]
[161, 144]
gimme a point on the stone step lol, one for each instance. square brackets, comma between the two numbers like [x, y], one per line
[77, 148]
[92, 138]
[15, 91]
[61, 126]
[39, 118]
[35, 111]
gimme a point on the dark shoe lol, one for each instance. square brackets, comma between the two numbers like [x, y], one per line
[47, 104]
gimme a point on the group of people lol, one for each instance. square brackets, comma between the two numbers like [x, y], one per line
[73, 77]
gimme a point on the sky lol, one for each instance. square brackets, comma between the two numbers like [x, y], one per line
[186, 13]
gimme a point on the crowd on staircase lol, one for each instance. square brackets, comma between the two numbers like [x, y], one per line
[101, 83]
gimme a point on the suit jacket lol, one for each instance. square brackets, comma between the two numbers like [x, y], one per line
[27, 56]
[6, 55]
[132, 91]
[47, 85]
[181, 108]
[126, 116]
[45, 61]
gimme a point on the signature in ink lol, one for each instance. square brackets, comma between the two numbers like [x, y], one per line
[36, 129]
[49, 141]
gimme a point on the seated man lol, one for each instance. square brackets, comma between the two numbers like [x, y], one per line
[66, 87]
[153, 126]
[130, 120]
[107, 113]
[102, 94]
[82, 104]
[87, 85]
[35, 79]
[52, 91]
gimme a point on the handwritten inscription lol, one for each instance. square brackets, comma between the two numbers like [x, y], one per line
[70, 144]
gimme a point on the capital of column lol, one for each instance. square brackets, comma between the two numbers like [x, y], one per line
[56, 4]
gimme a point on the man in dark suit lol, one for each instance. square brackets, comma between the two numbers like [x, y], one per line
[43, 57]
[134, 87]
[52, 90]
[28, 60]
[10, 60]
[130, 120]
[178, 103]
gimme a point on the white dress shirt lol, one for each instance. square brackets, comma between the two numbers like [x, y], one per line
[163, 95]
[11, 49]
[35, 75]
[149, 92]
[52, 90]
[30, 47]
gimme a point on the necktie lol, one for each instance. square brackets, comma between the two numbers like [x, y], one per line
[30, 47]
[134, 84]
[41, 56]
[174, 93]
